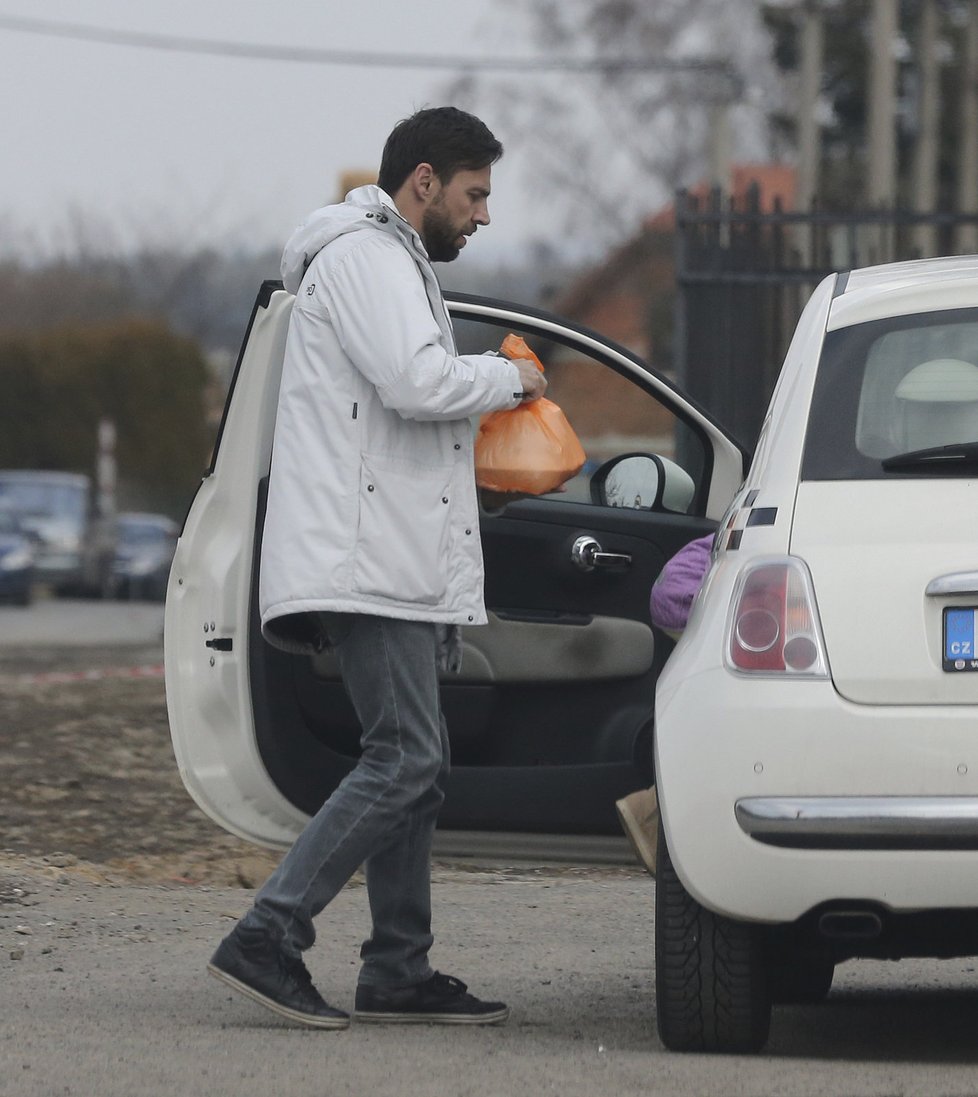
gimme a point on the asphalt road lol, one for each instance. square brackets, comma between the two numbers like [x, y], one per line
[79, 623]
[109, 997]
[103, 990]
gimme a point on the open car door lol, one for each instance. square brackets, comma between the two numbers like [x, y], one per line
[550, 719]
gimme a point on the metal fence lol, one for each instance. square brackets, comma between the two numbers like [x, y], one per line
[743, 277]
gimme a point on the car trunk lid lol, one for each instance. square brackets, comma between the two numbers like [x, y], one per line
[873, 548]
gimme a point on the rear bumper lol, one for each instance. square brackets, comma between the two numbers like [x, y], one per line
[777, 797]
[861, 822]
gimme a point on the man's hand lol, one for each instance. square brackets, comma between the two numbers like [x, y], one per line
[532, 381]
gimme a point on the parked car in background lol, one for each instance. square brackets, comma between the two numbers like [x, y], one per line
[73, 544]
[815, 727]
[144, 546]
[16, 561]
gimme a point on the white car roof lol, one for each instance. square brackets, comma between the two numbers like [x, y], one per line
[897, 289]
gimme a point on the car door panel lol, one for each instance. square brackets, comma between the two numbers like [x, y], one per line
[569, 648]
[550, 719]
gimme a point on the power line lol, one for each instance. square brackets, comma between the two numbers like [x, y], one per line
[312, 56]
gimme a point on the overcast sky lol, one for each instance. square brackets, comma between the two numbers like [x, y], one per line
[152, 147]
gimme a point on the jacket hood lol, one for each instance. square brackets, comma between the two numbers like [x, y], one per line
[362, 209]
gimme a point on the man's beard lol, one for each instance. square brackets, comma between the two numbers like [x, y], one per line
[439, 236]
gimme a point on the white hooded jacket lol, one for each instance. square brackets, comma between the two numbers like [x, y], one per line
[372, 504]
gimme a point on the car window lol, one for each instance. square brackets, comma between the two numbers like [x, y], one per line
[891, 387]
[613, 417]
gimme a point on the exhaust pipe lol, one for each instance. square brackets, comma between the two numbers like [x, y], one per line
[850, 925]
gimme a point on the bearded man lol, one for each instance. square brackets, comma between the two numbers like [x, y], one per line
[371, 548]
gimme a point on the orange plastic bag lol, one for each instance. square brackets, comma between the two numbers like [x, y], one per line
[530, 449]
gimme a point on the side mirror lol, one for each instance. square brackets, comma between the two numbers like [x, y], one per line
[643, 481]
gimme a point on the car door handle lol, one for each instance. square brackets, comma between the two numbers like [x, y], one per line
[959, 582]
[587, 554]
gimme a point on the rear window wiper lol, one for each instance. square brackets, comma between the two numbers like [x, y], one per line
[960, 453]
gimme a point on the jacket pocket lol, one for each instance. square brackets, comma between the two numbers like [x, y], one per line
[403, 534]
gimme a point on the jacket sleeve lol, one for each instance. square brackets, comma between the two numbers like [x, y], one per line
[378, 306]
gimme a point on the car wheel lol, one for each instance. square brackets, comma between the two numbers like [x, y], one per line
[711, 985]
[800, 980]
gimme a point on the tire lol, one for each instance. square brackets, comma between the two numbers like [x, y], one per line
[711, 985]
[800, 980]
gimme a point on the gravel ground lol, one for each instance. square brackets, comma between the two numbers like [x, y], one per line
[90, 780]
[89, 775]
[115, 889]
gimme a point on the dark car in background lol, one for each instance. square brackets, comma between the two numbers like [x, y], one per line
[73, 544]
[16, 561]
[144, 547]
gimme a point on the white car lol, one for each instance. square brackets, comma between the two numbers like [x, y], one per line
[816, 736]
[815, 752]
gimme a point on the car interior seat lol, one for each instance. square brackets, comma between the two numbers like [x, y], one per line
[937, 404]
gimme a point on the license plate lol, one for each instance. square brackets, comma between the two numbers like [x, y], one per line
[960, 628]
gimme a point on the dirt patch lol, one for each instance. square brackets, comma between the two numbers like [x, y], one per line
[89, 776]
[91, 788]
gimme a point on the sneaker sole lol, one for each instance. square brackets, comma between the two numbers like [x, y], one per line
[376, 1017]
[276, 1007]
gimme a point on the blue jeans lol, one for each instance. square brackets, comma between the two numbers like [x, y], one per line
[382, 815]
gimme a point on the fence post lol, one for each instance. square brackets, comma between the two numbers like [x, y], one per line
[681, 255]
[809, 130]
[967, 238]
[926, 146]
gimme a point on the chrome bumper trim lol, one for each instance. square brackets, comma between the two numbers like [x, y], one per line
[861, 822]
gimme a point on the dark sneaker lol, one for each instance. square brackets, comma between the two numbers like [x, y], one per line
[440, 1000]
[250, 962]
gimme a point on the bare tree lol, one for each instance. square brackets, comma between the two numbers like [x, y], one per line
[608, 143]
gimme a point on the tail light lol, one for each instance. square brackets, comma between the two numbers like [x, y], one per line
[773, 626]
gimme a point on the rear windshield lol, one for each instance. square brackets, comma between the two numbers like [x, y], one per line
[892, 387]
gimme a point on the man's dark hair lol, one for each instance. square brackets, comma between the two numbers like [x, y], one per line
[445, 137]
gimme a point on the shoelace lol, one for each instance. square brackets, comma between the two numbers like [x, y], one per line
[448, 984]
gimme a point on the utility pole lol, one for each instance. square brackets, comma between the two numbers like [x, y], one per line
[719, 144]
[968, 157]
[809, 129]
[105, 468]
[810, 86]
[928, 119]
[724, 87]
[881, 122]
[98, 564]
